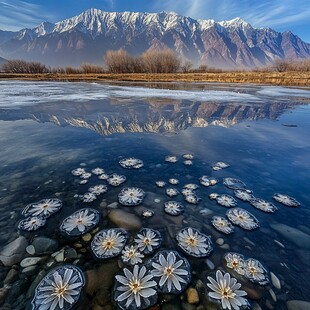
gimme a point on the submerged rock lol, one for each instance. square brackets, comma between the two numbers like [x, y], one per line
[13, 252]
[294, 235]
[44, 245]
[298, 305]
[124, 219]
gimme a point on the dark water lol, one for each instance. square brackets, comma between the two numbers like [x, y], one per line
[49, 129]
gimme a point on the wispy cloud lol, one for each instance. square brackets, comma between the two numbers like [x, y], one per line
[16, 14]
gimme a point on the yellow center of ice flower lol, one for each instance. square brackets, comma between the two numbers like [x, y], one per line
[168, 271]
[60, 290]
[221, 223]
[45, 206]
[147, 241]
[134, 285]
[131, 253]
[241, 217]
[227, 293]
[253, 270]
[191, 241]
[235, 263]
[108, 244]
[34, 222]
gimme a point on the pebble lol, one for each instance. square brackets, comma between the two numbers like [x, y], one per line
[210, 264]
[192, 296]
[124, 219]
[59, 256]
[30, 261]
[13, 252]
[298, 305]
[275, 281]
[10, 277]
[87, 237]
[30, 270]
[157, 200]
[112, 205]
[273, 295]
[3, 293]
[220, 241]
[292, 234]
[225, 246]
[30, 249]
[44, 245]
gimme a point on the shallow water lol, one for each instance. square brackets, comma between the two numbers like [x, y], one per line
[48, 129]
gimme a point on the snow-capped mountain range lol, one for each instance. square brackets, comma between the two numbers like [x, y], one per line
[86, 38]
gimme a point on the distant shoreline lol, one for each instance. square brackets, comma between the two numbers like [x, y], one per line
[289, 78]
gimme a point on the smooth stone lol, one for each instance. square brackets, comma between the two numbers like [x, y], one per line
[30, 249]
[30, 270]
[225, 246]
[192, 296]
[298, 305]
[10, 277]
[70, 253]
[292, 234]
[95, 278]
[124, 220]
[44, 245]
[86, 237]
[113, 205]
[275, 281]
[220, 241]
[30, 261]
[13, 252]
[210, 264]
[273, 295]
[3, 293]
[60, 257]
[187, 306]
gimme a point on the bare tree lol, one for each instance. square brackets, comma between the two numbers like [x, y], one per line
[281, 65]
[22, 66]
[119, 61]
[90, 68]
[187, 66]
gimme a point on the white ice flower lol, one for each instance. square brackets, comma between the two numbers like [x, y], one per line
[174, 271]
[116, 179]
[98, 189]
[220, 165]
[85, 175]
[233, 183]
[147, 213]
[213, 196]
[187, 162]
[135, 290]
[263, 205]
[78, 171]
[108, 242]
[286, 200]
[173, 208]
[173, 181]
[131, 163]
[244, 194]
[131, 255]
[221, 224]
[89, 197]
[148, 240]
[60, 289]
[236, 262]
[80, 221]
[188, 156]
[103, 176]
[98, 171]
[171, 192]
[44, 208]
[242, 218]
[194, 242]
[193, 199]
[226, 201]
[31, 223]
[187, 191]
[160, 183]
[131, 196]
[255, 271]
[171, 158]
[226, 289]
[191, 186]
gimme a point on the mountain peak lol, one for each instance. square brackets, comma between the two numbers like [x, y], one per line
[237, 22]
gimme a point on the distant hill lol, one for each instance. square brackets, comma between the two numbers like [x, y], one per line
[2, 61]
[86, 38]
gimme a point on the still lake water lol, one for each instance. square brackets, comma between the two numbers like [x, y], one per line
[47, 129]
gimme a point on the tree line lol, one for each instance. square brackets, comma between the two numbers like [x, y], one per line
[151, 61]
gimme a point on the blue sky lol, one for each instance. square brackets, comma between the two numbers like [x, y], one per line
[280, 15]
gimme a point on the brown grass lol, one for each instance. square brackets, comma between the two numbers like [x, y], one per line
[289, 78]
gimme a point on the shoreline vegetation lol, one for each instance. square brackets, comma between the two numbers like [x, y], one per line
[158, 66]
[288, 78]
